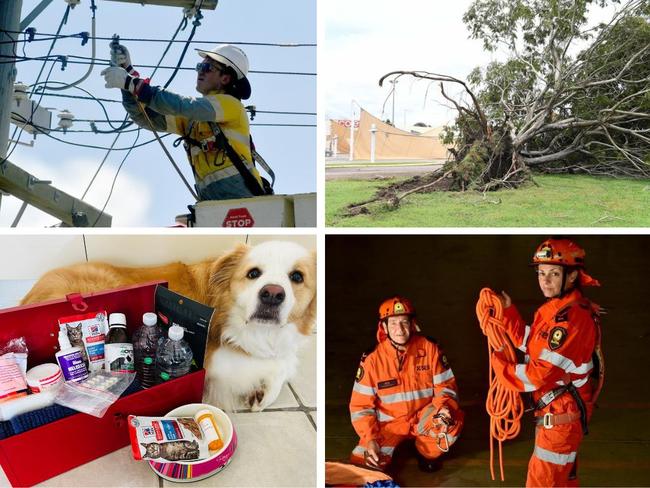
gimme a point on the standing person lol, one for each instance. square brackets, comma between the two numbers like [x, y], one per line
[404, 389]
[208, 124]
[563, 354]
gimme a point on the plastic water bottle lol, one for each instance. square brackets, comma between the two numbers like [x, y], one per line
[145, 346]
[174, 356]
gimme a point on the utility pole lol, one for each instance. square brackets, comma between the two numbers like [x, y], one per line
[9, 21]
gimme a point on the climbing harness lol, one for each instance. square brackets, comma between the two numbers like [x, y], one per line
[219, 142]
[505, 407]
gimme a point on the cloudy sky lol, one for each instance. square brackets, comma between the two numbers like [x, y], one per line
[366, 39]
[148, 192]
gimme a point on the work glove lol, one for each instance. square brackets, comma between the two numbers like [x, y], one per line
[442, 420]
[117, 77]
[121, 57]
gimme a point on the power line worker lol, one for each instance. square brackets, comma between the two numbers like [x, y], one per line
[563, 368]
[404, 389]
[222, 81]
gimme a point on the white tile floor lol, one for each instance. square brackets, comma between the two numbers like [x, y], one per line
[275, 447]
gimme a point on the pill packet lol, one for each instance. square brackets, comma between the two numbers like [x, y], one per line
[95, 394]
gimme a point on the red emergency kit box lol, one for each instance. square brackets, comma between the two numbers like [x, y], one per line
[86, 437]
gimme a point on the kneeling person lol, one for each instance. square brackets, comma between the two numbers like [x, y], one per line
[404, 389]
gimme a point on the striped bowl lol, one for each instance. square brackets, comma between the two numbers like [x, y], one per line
[182, 471]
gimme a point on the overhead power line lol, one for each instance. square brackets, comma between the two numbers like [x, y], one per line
[104, 62]
[84, 35]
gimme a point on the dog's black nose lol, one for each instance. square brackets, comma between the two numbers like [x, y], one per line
[272, 295]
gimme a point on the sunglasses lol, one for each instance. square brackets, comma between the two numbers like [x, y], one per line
[207, 68]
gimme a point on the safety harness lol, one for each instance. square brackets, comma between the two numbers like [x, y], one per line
[219, 142]
[549, 420]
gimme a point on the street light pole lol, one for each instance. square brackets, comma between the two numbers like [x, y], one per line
[394, 82]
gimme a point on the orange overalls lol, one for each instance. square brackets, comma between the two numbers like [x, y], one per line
[396, 395]
[559, 347]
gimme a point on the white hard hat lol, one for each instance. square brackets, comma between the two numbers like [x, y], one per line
[235, 58]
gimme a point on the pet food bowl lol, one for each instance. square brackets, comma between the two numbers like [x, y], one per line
[186, 471]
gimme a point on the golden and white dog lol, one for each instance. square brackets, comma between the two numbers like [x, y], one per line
[265, 307]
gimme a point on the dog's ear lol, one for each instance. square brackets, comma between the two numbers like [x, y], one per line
[307, 320]
[222, 269]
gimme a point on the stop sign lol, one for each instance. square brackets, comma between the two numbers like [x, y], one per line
[238, 217]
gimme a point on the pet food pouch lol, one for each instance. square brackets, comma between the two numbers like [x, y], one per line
[167, 439]
[87, 332]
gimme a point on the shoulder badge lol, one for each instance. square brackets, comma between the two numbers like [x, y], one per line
[359, 374]
[444, 361]
[557, 337]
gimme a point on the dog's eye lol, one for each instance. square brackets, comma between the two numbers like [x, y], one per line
[254, 274]
[296, 277]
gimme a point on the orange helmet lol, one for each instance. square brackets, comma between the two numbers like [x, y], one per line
[395, 306]
[559, 251]
[564, 252]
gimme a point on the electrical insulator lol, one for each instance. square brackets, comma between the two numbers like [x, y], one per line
[65, 119]
[72, 3]
[20, 92]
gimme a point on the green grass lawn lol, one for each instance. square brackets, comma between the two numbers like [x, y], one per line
[558, 201]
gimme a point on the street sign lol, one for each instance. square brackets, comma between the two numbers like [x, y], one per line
[238, 217]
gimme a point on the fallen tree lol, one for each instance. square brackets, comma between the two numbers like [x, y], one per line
[570, 97]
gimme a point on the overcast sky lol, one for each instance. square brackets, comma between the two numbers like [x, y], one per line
[148, 191]
[365, 39]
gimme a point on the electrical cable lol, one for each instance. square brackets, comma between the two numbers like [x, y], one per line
[86, 61]
[119, 168]
[135, 39]
[93, 8]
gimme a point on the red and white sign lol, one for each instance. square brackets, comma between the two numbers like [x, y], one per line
[346, 122]
[238, 217]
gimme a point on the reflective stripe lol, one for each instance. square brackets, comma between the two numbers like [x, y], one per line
[220, 174]
[426, 415]
[368, 412]
[237, 136]
[520, 371]
[580, 382]
[360, 450]
[450, 393]
[407, 396]
[523, 347]
[384, 417]
[451, 438]
[442, 377]
[554, 457]
[363, 389]
[565, 363]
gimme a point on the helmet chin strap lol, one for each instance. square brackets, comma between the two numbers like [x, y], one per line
[563, 292]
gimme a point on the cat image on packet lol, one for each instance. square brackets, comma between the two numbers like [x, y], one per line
[167, 439]
[87, 331]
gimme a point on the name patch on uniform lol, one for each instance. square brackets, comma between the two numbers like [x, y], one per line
[386, 384]
[422, 367]
[557, 337]
[359, 374]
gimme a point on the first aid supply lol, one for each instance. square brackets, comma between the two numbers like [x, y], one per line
[145, 346]
[27, 403]
[12, 381]
[70, 360]
[208, 425]
[118, 351]
[18, 346]
[174, 356]
[44, 377]
[94, 395]
[87, 331]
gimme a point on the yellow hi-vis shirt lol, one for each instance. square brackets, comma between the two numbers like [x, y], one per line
[231, 116]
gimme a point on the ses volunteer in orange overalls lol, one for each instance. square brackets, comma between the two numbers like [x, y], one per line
[404, 389]
[563, 368]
